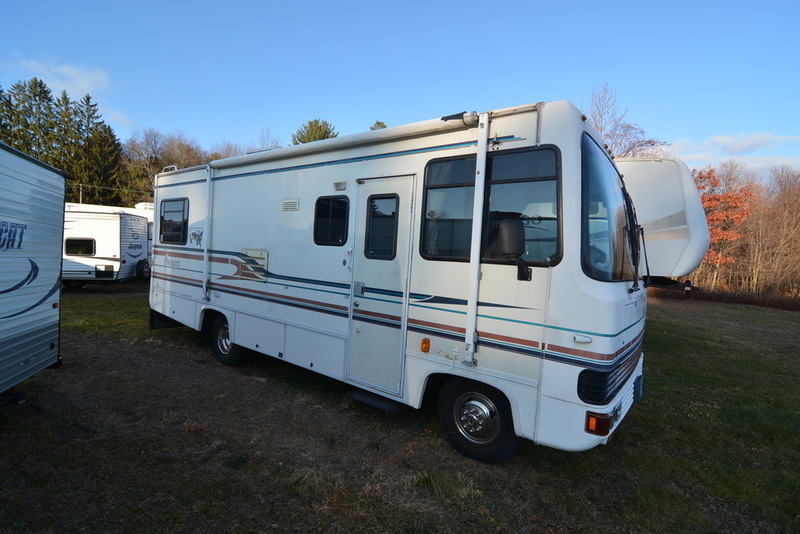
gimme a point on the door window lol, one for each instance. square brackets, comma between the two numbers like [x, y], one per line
[381, 235]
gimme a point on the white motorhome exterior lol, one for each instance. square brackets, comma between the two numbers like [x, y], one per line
[106, 243]
[491, 259]
[31, 224]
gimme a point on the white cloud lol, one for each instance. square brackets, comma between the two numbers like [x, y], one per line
[759, 152]
[737, 145]
[76, 80]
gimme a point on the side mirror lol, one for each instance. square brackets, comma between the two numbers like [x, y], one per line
[512, 245]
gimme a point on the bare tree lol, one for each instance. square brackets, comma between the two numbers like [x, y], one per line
[624, 139]
[144, 153]
[226, 150]
[183, 151]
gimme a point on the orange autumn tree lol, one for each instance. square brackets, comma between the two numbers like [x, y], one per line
[726, 203]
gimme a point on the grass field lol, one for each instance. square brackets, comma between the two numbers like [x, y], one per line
[714, 446]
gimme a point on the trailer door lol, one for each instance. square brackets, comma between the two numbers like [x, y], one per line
[379, 301]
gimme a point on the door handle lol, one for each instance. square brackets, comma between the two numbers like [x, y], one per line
[358, 289]
[356, 304]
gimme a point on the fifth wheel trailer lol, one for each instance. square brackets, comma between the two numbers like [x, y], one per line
[31, 224]
[492, 260]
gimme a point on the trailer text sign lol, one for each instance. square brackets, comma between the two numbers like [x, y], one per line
[11, 235]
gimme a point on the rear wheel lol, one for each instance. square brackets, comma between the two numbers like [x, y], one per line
[143, 270]
[225, 351]
[477, 421]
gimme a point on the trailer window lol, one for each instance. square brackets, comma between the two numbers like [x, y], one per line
[79, 246]
[523, 185]
[381, 238]
[174, 221]
[330, 221]
[447, 225]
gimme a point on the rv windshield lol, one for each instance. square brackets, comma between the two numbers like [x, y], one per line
[607, 224]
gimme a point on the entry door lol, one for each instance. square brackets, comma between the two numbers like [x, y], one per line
[379, 301]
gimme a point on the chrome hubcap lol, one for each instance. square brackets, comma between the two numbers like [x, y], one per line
[477, 418]
[224, 340]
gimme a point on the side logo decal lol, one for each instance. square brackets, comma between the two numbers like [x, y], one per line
[30, 277]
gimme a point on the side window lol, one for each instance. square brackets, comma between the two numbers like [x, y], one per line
[381, 238]
[174, 221]
[330, 221]
[524, 185]
[521, 184]
[79, 246]
[447, 224]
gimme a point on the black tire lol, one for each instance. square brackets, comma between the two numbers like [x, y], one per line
[143, 270]
[477, 421]
[225, 351]
[71, 284]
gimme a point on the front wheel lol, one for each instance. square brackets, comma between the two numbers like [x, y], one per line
[477, 421]
[225, 351]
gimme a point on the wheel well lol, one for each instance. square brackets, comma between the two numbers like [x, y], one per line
[433, 385]
[436, 381]
[208, 318]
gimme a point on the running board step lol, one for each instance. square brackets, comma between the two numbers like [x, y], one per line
[376, 401]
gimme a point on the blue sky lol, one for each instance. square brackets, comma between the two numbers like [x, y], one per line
[717, 79]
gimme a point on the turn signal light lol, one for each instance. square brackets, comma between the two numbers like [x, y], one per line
[598, 424]
[425, 344]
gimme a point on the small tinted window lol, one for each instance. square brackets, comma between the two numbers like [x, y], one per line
[330, 221]
[381, 239]
[79, 246]
[447, 224]
[174, 221]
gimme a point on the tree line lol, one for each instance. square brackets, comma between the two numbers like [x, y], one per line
[72, 136]
[755, 230]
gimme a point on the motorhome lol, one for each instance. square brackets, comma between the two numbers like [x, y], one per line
[106, 243]
[491, 261]
[31, 224]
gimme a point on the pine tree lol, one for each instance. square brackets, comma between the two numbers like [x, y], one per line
[66, 133]
[5, 114]
[98, 159]
[314, 130]
[33, 121]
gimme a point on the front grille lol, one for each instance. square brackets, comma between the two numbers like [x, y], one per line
[600, 386]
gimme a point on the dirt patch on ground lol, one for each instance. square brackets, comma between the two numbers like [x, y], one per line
[150, 434]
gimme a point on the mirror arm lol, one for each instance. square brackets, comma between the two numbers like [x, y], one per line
[524, 272]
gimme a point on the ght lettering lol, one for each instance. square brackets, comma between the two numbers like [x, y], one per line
[11, 235]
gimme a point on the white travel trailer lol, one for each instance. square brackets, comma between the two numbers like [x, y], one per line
[491, 259]
[106, 243]
[31, 224]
